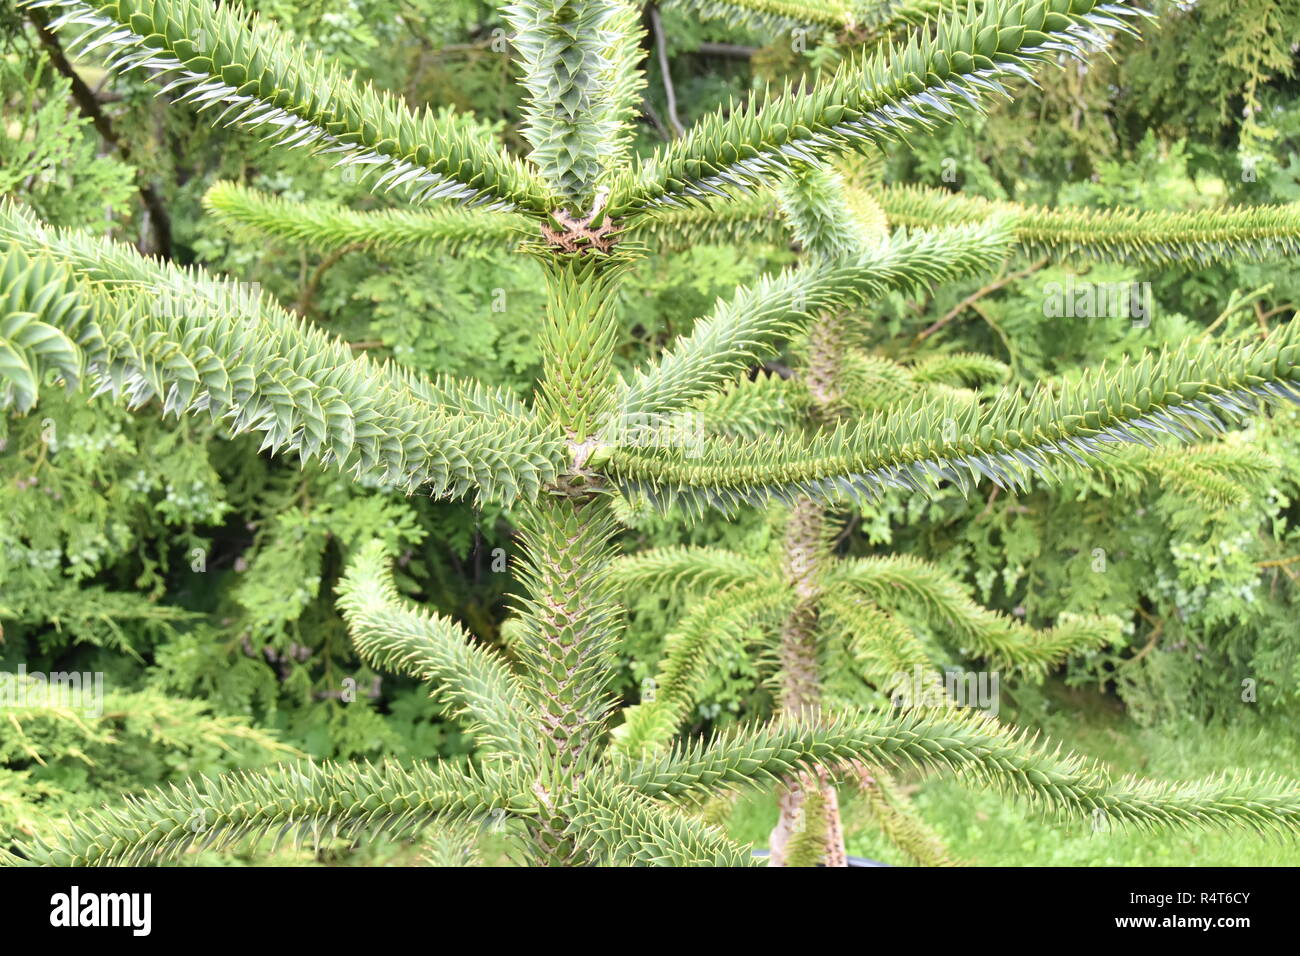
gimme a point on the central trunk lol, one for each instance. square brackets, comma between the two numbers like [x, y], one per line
[572, 614]
[806, 548]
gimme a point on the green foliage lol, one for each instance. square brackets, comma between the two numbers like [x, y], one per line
[1187, 393]
[315, 800]
[578, 60]
[305, 392]
[970, 744]
[772, 15]
[567, 465]
[328, 227]
[869, 101]
[748, 327]
[1203, 236]
[58, 759]
[46, 149]
[435, 650]
[1191, 565]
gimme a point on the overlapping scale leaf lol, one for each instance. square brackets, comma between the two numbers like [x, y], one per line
[45, 328]
[578, 60]
[1202, 237]
[747, 328]
[677, 569]
[885, 652]
[980, 752]
[713, 628]
[774, 16]
[313, 803]
[752, 407]
[327, 227]
[467, 678]
[199, 344]
[615, 825]
[908, 585]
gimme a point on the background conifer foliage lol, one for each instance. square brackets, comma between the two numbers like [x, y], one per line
[571, 433]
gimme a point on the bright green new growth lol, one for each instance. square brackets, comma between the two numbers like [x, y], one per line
[327, 227]
[1202, 237]
[84, 310]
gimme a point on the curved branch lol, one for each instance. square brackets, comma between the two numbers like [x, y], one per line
[466, 678]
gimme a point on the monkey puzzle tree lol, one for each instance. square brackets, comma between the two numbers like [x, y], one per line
[837, 632]
[85, 309]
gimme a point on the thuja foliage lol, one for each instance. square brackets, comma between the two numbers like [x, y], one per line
[135, 738]
[83, 310]
[96, 506]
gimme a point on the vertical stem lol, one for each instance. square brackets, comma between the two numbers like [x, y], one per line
[807, 549]
[805, 544]
[836, 853]
[572, 615]
[578, 340]
[821, 372]
[817, 208]
[801, 684]
[568, 650]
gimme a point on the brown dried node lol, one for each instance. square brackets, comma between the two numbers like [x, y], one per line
[577, 236]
